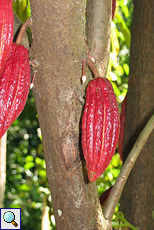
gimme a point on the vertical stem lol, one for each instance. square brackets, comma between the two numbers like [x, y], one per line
[98, 31]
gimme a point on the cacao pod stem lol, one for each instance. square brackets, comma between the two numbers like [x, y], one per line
[92, 66]
[24, 27]
[90, 63]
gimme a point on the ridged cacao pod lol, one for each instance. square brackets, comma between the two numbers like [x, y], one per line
[6, 31]
[100, 126]
[14, 86]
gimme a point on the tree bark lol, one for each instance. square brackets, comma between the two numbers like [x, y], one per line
[137, 199]
[58, 49]
[98, 32]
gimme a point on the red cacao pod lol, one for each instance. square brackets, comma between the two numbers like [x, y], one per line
[100, 126]
[14, 86]
[113, 8]
[122, 127]
[103, 198]
[6, 31]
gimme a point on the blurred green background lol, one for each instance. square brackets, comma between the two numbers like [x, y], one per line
[26, 181]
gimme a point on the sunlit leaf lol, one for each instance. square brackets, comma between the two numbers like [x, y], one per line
[125, 11]
[113, 76]
[25, 187]
[114, 40]
[115, 161]
[29, 158]
[115, 172]
[42, 173]
[126, 68]
[116, 89]
[29, 165]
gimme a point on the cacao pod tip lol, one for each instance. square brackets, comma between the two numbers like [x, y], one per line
[31, 85]
[92, 176]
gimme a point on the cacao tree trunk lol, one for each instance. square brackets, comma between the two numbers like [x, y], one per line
[137, 199]
[58, 49]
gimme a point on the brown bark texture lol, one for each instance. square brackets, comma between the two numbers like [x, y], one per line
[98, 32]
[137, 201]
[58, 48]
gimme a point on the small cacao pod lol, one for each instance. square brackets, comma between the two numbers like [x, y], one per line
[122, 127]
[14, 86]
[100, 126]
[103, 198]
[6, 31]
[113, 8]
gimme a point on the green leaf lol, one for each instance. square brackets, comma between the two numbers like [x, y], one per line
[115, 161]
[126, 68]
[29, 158]
[116, 90]
[42, 173]
[115, 172]
[124, 29]
[25, 187]
[38, 161]
[125, 11]
[29, 165]
[114, 40]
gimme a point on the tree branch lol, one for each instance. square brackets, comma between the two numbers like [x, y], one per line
[126, 169]
[98, 31]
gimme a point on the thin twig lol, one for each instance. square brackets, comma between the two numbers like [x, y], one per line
[24, 27]
[125, 222]
[126, 169]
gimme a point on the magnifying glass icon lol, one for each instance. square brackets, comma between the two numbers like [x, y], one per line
[9, 217]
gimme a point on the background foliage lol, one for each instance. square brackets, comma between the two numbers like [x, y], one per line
[26, 182]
